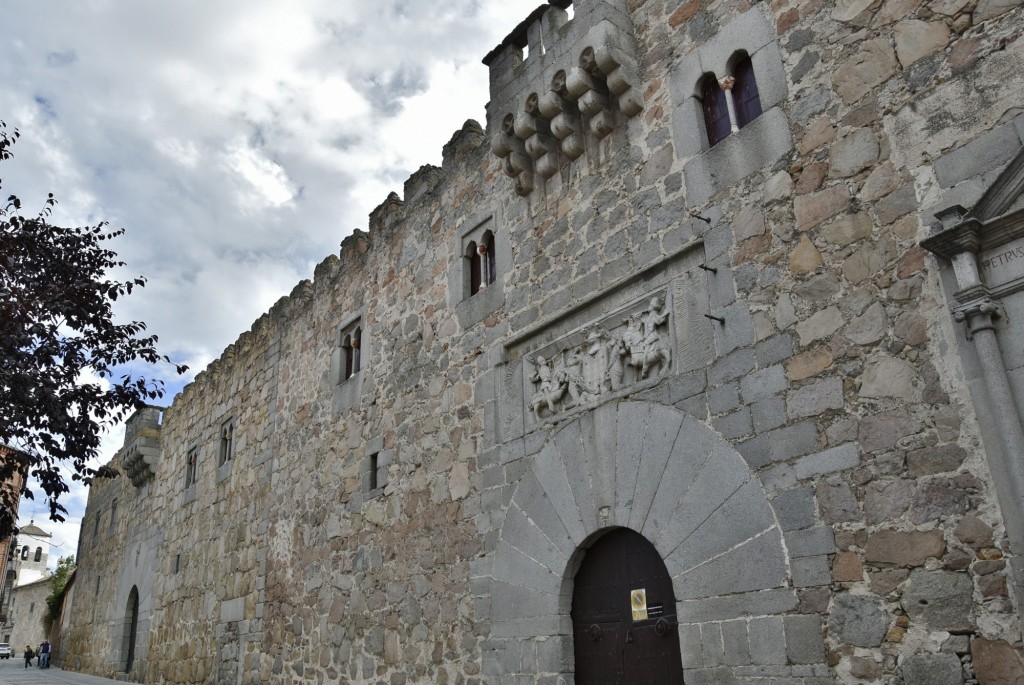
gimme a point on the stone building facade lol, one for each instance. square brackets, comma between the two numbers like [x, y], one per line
[703, 353]
[28, 609]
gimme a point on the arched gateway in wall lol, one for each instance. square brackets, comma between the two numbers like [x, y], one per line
[639, 478]
[131, 629]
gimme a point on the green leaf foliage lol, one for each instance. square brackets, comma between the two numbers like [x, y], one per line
[58, 584]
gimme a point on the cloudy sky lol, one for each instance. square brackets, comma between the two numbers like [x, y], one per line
[237, 142]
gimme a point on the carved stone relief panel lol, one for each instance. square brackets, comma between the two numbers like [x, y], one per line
[625, 339]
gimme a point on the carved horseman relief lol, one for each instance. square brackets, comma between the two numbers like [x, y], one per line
[606, 358]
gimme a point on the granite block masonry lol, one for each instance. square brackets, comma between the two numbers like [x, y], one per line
[788, 362]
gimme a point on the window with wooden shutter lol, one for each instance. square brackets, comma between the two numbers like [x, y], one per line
[744, 93]
[716, 111]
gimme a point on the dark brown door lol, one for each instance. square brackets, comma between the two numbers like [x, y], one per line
[612, 645]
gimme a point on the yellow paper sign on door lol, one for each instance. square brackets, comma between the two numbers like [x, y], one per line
[638, 602]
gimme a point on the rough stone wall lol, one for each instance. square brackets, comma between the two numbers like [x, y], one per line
[833, 369]
[119, 543]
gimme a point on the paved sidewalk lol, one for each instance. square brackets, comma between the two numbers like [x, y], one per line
[13, 672]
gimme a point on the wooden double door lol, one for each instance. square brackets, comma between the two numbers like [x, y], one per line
[624, 615]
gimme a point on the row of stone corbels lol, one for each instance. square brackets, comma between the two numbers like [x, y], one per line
[550, 120]
[141, 457]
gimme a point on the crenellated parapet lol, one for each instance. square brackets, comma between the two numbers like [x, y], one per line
[557, 82]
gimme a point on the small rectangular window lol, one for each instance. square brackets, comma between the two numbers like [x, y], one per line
[374, 484]
[31, 607]
[716, 110]
[113, 515]
[227, 442]
[97, 591]
[177, 563]
[96, 527]
[191, 460]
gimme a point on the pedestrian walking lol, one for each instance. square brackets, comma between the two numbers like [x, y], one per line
[28, 656]
[44, 654]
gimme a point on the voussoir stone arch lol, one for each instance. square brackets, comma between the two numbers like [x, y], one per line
[655, 470]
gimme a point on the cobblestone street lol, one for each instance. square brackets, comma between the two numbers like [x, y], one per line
[13, 672]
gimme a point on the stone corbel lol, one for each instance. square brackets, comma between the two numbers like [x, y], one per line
[619, 68]
[515, 161]
[535, 132]
[564, 115]
[591, 95]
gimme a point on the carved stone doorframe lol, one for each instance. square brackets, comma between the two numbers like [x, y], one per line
[961, 238]
[663, 474]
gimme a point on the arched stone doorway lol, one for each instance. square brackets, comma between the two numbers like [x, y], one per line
[624, 614]
[670, 478]
[131, 628]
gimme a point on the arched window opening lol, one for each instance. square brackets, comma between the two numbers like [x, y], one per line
[227, 442]
[131, 625]
[744, 92]
[475, 275]
[346, 344]
[39, 554]
[24, 553]
[350, 354]
[487, 258]
[191, 466]
[357, 336]
[716, 110]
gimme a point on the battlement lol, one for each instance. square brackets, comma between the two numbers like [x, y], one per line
[577, 80]
[146, 417]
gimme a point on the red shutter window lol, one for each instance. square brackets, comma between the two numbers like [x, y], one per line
[716, 111]
[744, 93]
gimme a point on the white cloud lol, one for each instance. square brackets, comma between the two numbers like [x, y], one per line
[237, 142]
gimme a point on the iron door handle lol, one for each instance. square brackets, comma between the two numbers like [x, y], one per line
[663, 626]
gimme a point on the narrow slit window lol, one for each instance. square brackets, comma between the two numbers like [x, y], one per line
[716, 110]
[373, 481]
[744, 92]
